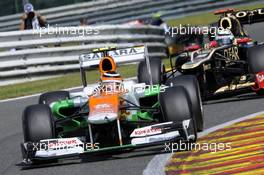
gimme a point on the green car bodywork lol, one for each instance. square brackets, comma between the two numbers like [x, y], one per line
[58, 110]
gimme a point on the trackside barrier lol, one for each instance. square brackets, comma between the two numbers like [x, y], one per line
[25, 55]
[116, 12]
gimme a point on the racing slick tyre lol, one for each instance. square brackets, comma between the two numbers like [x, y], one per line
[50, 97]
[256, 59]
[38, 124]
[157, 72]
[190, 83]
[256, 62]
[176, 106]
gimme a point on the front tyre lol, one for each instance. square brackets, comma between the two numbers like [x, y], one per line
[190, 83]
[38, 123]
[176, 106]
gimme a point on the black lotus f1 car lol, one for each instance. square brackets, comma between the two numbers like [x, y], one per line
[232, 60]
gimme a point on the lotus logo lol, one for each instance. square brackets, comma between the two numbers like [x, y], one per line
[242, 14]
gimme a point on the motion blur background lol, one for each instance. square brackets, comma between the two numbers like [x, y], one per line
[26, 57]
[9, 7]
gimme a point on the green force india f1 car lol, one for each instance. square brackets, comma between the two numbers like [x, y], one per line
[113, 115]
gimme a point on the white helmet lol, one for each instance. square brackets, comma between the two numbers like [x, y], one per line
[224, 36]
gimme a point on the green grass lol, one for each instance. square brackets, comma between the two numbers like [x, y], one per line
[62, 82]
[206, 18]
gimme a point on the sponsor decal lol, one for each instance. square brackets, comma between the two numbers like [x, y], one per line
[59, 143]
[145, 131]
[155, 138]
[148, 131]
[63, 144]
[231, 53]
[102, 106]
[102, 109]
[91, 56]
[246, 13]
[128, 51]
[113, 53]
[248, 16]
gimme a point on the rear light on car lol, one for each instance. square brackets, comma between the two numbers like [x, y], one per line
[243, 40]
[213, 44]
[192, 48]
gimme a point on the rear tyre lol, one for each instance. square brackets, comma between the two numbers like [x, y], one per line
[256, 59]
[190, 83]
[256, 62]
[176, 106]
[50, 97]
[157, 72]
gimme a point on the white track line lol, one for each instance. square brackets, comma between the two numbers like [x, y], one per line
[157, 164]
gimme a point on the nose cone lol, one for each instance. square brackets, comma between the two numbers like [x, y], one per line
[103, 108]
[102, 118]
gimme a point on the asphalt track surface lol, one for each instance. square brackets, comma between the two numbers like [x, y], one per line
[129, 163]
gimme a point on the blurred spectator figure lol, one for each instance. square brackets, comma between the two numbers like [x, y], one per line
[83, 22]
[31, 19]
[156, 19]
[137, 22]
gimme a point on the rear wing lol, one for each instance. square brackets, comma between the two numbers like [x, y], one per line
[123, 55]
[120, 56]
[245, 16]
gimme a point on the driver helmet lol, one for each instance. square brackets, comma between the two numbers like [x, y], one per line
[28, 8]
[224, 37]
[156, 19]
[111, 82]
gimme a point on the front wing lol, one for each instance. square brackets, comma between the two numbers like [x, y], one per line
[76, 146]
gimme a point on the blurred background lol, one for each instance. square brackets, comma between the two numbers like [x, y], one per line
[36, 62]
[9, 7]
